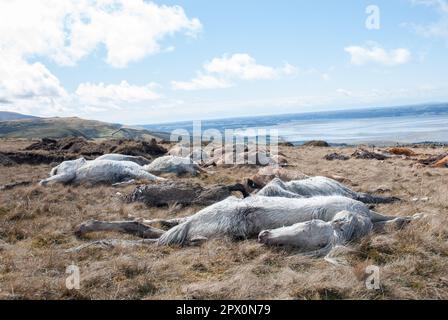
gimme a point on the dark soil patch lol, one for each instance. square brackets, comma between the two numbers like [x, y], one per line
[83, 147]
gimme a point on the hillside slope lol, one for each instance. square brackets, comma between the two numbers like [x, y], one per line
[74, 127]
[8, 116]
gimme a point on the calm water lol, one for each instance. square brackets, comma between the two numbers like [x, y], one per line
[385, 130]
[405, 124]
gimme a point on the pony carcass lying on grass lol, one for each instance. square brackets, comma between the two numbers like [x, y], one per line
[183, 193]
[116, 168]
[251, 217]
[174, 164]
[319, 237]
[97, 171]
[317, 186]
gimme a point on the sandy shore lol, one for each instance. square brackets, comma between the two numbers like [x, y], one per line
[37, 224]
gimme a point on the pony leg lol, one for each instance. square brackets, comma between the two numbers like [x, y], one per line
[59, 178]
[369, 198]
[131, 227]
[143, 175]
[336, 255]
[378, 217]
[10, 186]
[166, 223]
[106, 244]
[323, 252]
[394, 224]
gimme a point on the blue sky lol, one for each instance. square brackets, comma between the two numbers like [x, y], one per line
[140, 62]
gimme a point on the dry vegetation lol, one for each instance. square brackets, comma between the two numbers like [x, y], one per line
[36, 227]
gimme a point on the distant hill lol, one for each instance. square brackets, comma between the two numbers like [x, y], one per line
[8, 116]
[72, 127]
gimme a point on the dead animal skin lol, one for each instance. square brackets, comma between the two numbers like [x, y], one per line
[402, 151]
[336, 156]
[432, 160]
[166, 193]
[267, 174]
[364, 154]
[443, 163]
[318, 186]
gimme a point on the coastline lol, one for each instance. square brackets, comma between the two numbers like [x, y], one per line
[424, 144]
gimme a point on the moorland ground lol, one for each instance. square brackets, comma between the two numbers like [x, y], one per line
[37, 227]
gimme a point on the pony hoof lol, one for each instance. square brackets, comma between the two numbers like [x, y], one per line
[264, 236]
[197, 241]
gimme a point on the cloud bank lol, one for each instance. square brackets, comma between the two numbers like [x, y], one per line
[374, 54]
[220, 72]
[65, 32]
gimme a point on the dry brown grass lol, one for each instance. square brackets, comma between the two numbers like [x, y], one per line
[14, 144]
[36, 226]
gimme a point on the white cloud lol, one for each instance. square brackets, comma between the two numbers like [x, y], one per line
[220, 73]
[243, 66]
[22, 80]
[88, 99]
[69, 30]
[102, 98]
[201, 82]
[375, 54]
[288, 69]
[123, 92]
[66, 31]
[437, 29]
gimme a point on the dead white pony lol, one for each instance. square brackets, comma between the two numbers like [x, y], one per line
[245, 218]
[319, 238]
[98, 171]
[317, 186]
[174, 164]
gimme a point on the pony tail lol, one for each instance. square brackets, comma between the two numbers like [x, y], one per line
[175, 236]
